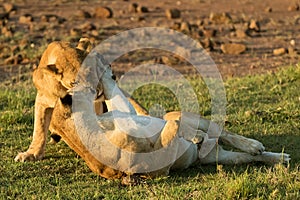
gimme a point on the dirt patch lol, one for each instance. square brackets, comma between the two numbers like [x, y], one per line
[28, 26]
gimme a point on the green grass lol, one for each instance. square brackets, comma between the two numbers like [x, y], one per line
[263, 107]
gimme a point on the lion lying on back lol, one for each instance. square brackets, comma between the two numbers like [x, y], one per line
[55, 80]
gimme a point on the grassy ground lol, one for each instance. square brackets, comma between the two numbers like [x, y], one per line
[262, 107]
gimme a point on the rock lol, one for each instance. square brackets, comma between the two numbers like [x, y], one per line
[133, 7]
[207, 44]
[279, 51]
[254, 25]
[51, 18]
[185, 27]
[103, 12]
[87, 27]
[4, 15]
[233, 48]
[75, 32]
[83, 14]
[173, 13]
[220, 18]
[26, 19]
[8, 7]
[268, 9]
[294, 7]
[239, 33]
[142, 9]
[6, 31]
[209, 33]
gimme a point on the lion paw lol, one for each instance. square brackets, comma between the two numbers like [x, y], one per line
[274, 158]
[25, 156]
[248, 145]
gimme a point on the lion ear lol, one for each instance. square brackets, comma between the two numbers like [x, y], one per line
[53, 70]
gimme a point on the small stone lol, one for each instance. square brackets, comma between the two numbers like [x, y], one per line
[294, 7]
[185, 27]
[83, 14]
[233, 48]
[220, 18]
[8, 7]
[142, 9]
[103, 12]
[207, 44]
[254, 25]
[241, 33]
[292, 42]
[87, 27]
[75, 32]
[133, 7]
[173, 13]
[4, 15]
[209, 33]
[268, 9]
[6, 31]
[26, 19]
[279, 51]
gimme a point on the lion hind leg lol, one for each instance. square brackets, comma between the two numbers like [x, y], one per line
[220, 156]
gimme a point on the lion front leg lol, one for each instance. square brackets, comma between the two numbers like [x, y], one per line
[42, 120]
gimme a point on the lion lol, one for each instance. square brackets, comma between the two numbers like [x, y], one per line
[66, 77]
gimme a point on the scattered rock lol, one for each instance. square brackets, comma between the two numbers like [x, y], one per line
[52, 18]
[254, 25]
[294, 7]
[268, 9]
[83, 14]
[293, 43]
[239, 33]
[279, 51]
[87, 27]
[26, 19]
[103, 12]
[209, 33]
[6, 31]
[133, 7]
[207, 44]
[75, 32]
[173, 13]
[233, 48]
[185, 27]
[220, 18]
[9, 7]
[4, 15]
[142, 9]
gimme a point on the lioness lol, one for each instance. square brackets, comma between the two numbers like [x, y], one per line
[55, 80]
